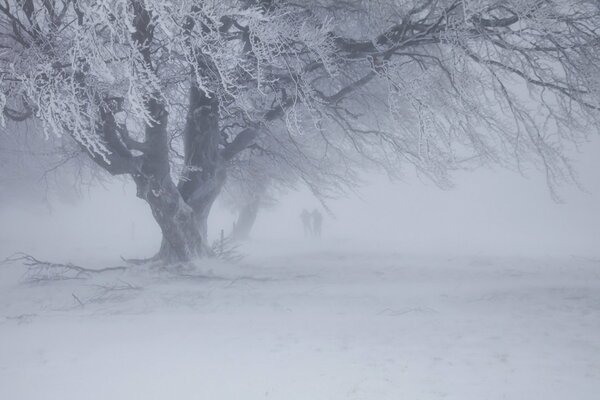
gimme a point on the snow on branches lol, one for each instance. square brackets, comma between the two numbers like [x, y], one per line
[438, 84]
[69, 63]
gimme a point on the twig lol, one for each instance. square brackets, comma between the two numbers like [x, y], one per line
[77, 298]
[22, 318]
[226, 249]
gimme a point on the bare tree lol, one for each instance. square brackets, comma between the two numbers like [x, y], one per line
[36, 170]
[320, 86]
[253, 183]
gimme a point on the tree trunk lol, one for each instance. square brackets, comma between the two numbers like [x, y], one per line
[182, 240]
[246, 219]
[205, 170]
[182, 212]
[199, 191]
[196, 211]
[249, 211]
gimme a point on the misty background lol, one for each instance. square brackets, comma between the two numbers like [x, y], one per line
[133, 132]
[489, 211]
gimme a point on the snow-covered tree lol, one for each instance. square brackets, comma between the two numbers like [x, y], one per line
[320, 86]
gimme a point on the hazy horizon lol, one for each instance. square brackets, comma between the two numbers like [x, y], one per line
[495, 212]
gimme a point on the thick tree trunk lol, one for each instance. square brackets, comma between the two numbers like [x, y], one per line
[249, 211]
[182, 239]
[199, 192]
[184, 218]
[205, 169]
[245, 222]
[197, 210]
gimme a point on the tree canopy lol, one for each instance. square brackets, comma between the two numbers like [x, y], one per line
[174, 93]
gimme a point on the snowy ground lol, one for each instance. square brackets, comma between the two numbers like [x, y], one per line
[310, 324]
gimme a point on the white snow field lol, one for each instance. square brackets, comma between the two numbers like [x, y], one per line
[310, 324]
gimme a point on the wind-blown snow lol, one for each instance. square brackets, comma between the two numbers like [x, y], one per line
[315, 324]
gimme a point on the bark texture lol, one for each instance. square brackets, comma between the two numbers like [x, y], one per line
[182, 240]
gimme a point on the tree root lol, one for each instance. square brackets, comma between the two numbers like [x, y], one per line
[225, 248]
[141, 261]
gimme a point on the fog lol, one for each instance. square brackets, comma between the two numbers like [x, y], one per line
[489, 211]
[487, 289]
[493, 212]
[299, 200]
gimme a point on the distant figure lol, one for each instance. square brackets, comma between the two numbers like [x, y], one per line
[317, 218]
[305, 217]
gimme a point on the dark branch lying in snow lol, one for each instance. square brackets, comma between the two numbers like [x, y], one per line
[40, 271]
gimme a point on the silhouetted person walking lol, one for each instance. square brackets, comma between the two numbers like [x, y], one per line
[317, 221]
[305, 216]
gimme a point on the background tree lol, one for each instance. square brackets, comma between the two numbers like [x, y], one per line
[35, 170]
[249, 188]
[439, 85]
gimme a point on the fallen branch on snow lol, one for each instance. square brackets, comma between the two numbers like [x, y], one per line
[107, 292]
[42, 271]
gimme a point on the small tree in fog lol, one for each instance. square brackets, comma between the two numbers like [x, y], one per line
[34, 170]
[173, 93]
[249, 188]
